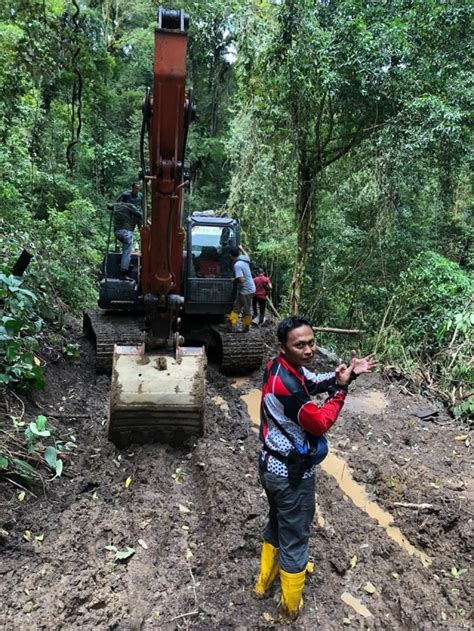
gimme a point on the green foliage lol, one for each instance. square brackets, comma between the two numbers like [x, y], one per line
[24, 455]
[20, 324]
[71, 351]
[428, 329]
[431, 296]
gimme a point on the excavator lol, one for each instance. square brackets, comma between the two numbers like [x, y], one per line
[155, 331]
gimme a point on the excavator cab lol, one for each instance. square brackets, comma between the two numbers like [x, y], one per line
[209, 278]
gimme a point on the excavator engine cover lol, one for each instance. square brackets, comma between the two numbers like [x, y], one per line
[156, 396]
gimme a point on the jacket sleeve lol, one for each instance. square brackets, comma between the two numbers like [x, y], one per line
[319, 383]
[300, 408]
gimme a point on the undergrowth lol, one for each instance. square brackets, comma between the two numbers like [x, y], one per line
[426, 332]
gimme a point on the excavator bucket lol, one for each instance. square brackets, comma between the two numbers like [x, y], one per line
[156, 396]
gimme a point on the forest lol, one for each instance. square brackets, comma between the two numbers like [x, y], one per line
[339, 134]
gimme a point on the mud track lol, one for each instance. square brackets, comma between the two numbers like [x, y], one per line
[194, 517]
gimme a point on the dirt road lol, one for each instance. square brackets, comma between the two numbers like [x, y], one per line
[389, 532]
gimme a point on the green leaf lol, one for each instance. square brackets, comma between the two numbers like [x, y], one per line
[25, 469]
[59, 467]
[12, 325]
[41, 422]
[3, 462]
[38, 432]
[121, 555]
[51, 456]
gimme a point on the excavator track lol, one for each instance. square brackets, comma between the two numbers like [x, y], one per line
[240, 352]
[109, 329]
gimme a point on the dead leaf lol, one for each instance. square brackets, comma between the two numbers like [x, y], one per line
[369, 588]
[143, 544]
[189, 554]
[268, 617]
[39, 537]
[27, 535]
[37, 361]
[354, 561]
[21, 496]
[462, 437]
[128, 481]
[94, 495]
[183, 509]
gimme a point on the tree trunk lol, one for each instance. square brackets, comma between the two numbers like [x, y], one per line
[304, 220]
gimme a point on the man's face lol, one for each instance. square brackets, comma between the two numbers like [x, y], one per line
[135, 189]
[299, 347]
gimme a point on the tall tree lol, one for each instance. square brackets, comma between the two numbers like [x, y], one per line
[334, 73]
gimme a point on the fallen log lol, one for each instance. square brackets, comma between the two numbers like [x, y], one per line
[324, 329]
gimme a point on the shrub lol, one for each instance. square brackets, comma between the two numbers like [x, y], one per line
[20, 323]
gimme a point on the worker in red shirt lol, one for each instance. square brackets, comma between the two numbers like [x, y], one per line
[263, 286]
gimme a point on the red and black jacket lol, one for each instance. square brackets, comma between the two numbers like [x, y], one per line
[288, 412]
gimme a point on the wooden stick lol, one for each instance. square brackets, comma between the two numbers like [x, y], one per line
[272, 307]
[183, 615]
[68, 415]
[22, 487]
[323, 329]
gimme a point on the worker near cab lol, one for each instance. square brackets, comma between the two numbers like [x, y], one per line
[133, 196]
[127, 214]
[245, 289]
[292, 430]
[263, 286]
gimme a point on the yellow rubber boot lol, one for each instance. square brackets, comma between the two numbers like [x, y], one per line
[268, 569]
[292, 585]
[246, 322]
[232, 321]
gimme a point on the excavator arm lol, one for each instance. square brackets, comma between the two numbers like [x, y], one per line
[159, 395]
[167, 110]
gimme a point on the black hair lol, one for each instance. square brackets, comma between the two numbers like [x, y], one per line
[136, 184]
[234, 251]
[288, 324]
[260, 270]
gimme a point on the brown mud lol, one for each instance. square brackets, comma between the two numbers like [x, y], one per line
[194, 516]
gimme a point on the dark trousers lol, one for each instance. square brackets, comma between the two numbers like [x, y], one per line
[261, 303]
[289, 518]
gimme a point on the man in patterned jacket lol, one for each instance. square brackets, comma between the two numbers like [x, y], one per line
[292, 430]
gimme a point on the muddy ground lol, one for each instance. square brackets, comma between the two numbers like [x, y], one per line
[195, 515]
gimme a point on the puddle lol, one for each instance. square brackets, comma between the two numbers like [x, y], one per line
[252, 399]
[339, 470]
[369, 403]
[356, 605]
